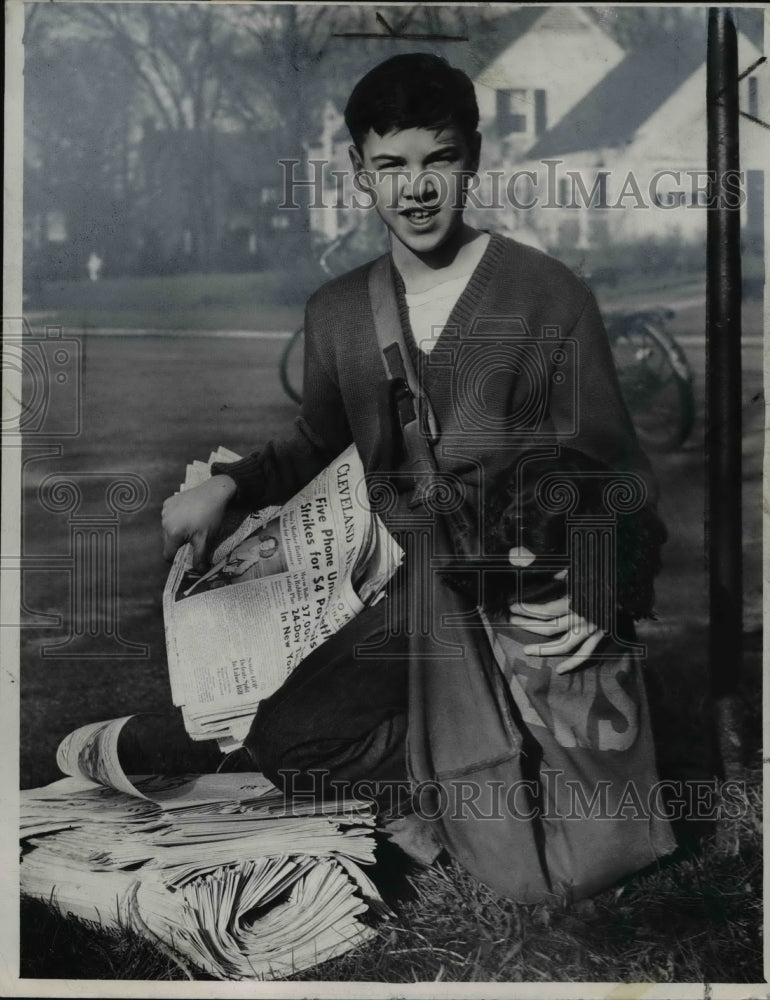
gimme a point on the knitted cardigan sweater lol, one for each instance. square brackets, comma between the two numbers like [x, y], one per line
[523, 361]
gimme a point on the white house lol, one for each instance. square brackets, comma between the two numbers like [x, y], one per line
[638, 140]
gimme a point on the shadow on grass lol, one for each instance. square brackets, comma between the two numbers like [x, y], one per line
[55, 948]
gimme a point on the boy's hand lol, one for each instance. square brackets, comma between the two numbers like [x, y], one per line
[194, 516]
[576, 636]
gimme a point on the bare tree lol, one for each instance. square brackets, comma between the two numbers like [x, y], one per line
[76, 149]
[178, 56]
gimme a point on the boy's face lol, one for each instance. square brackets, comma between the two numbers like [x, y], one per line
[416, 178]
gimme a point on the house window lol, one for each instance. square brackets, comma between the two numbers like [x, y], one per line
[753, 97]
[511, 111]
[56, 227]
[521, 111]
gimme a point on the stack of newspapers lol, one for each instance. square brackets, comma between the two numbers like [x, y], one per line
[280, 584]
[223, 870]
[220, 869]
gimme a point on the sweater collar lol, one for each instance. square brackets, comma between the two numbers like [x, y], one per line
[467, 304]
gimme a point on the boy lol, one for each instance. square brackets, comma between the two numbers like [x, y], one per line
[512, 354]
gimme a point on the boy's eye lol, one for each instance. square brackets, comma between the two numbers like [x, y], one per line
[447, 157]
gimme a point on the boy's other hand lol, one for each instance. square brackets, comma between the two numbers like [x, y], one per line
[195, 516]
[577, 637]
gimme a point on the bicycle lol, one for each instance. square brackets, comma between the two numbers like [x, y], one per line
[654, 374]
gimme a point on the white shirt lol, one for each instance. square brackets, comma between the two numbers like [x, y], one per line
[429, 310]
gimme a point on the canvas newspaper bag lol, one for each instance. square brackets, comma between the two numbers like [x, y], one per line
[541, 785]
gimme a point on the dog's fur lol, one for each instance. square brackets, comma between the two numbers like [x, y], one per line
[513, 516]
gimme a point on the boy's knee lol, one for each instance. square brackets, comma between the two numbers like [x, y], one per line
[265, 743]
[281, 752]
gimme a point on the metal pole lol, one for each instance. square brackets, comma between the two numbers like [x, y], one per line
[723, 387]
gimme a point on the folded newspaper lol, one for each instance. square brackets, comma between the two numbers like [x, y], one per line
[280, 584]
[221, 869]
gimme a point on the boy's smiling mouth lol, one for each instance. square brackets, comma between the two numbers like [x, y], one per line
[418, 216]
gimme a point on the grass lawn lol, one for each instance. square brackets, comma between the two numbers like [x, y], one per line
[254, 301]
[695, 919]
[150, 404]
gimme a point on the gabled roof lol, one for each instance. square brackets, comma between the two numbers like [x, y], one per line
[492, 36]
[611, 113]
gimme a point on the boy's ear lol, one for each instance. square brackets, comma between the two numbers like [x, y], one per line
[356, 159]
[362, 177]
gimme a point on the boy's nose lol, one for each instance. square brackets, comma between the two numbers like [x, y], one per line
[420, 187]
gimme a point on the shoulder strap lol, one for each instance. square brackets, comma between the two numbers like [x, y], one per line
[395, 353]
[419, 427]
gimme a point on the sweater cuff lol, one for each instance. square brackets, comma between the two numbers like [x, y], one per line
[247, 474]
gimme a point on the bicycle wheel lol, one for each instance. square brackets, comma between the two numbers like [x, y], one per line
[290, 365]
[656, 383]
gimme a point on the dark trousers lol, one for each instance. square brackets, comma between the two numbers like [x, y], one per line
[341, 715]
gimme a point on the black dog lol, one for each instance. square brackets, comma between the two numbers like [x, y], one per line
[516, 514]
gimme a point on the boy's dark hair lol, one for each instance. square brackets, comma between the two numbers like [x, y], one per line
[514, 515]
[417, 90]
